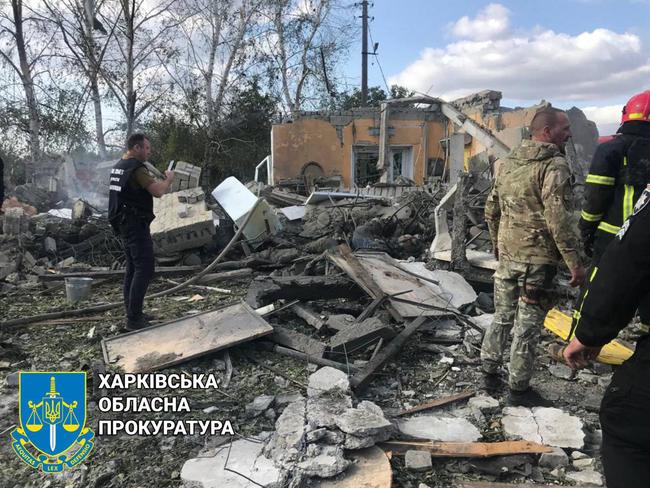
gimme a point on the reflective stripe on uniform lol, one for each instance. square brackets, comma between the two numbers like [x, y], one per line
[577, 314]
[590, 217]
[600, 180]
[628, 201]
[609, 228]
[628, 197]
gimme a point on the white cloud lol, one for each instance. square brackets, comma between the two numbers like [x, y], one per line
[596, 65]
[491, 23]
[607, 118]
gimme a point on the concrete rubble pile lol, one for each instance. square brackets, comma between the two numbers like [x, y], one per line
[349, 290]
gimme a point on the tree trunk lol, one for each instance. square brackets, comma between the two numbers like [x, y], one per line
[129, 19]
[28, 84]
[93, 74]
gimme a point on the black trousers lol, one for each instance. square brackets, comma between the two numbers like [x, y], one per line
[138, 247]
[625, 420]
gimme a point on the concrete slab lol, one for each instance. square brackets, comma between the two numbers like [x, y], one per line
[451, 285]
[550, 426]
[243, 456]
[439, 428]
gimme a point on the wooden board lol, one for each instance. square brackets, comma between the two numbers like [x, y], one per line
[172, 343]
[560, 324]
[468, 449]
[370, 470]
[381, 277]
[438, 402]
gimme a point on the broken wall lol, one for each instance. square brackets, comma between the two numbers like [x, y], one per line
[330, 140]
[511, 126]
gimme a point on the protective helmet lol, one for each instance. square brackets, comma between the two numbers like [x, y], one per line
[637, 108]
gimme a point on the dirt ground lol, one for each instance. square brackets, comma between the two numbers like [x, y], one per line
[414, 377]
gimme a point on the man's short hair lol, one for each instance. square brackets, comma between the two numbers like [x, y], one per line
[544, 117]
[135, 139]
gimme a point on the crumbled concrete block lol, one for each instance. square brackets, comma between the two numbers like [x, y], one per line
[578, 455]
[588, 477]
[327, 380]
[326, 463]
[316, 435]
[259, 405]
[556, 459]
[484, 404]
[323, 410]
[583, 464]
[439, 427]
[285, 399]
[418, 460]
[550, 426]
[561, 371]
[289, 435]
[367, 420]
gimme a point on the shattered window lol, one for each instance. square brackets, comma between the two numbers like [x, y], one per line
[365, 168]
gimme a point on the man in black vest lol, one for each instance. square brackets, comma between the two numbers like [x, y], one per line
[616, 288]
[130, 211]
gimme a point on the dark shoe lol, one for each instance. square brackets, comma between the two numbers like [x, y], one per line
[149, 317]
[492, 382]
[141, 323]
[527, 398]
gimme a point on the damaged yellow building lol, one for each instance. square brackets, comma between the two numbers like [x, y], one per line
[422, 143]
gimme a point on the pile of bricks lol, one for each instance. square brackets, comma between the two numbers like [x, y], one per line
[186, 176]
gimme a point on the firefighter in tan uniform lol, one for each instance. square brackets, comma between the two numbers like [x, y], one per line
[528, 214]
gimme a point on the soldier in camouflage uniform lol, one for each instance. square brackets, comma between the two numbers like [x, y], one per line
[529, 215]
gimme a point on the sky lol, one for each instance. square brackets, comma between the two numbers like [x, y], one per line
[593, 54]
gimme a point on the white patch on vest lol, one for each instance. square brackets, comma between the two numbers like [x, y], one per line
[115, 188]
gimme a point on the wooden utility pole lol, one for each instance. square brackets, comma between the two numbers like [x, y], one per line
[364, 53]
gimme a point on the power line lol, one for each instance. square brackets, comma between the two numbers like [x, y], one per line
[378, 63]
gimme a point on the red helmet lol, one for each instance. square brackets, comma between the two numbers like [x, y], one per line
[637, 108]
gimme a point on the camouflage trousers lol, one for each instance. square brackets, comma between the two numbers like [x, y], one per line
[523, 293]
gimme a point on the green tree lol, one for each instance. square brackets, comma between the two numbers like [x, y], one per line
[376, 95]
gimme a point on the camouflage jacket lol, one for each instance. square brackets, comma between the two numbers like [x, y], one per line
[529, 210]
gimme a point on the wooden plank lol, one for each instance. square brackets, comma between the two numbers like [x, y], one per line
[299, 342]
[359, 380]
[468, 449]
[175, 342]
[160, 270]
[358, 272]
[437, 403]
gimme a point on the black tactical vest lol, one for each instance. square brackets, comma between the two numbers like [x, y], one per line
[123, 199]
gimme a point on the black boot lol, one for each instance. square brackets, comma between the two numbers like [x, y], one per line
[527, 398]
[137, 324]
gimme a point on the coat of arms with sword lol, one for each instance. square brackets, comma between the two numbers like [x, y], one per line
[62, 408]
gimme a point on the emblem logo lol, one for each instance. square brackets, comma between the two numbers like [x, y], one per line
[52, 415]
